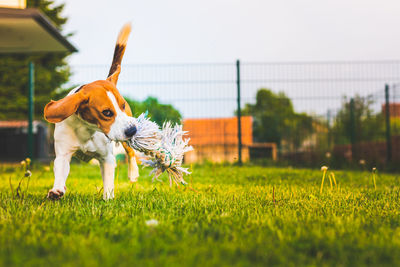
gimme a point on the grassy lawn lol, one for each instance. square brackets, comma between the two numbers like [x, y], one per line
[227, 216]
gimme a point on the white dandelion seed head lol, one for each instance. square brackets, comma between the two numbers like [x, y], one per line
[152, 222]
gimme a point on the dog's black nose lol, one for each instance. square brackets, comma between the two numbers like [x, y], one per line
[130, 131]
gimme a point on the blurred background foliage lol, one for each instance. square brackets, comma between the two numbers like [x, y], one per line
[274, 119]
[368, 124]
[157, 112]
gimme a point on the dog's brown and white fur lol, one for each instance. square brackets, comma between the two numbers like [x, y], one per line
[88, 120]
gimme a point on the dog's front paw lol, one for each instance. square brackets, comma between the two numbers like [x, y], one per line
[56, 194]
[108, 194]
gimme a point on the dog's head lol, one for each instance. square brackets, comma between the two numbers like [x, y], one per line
[99, 104]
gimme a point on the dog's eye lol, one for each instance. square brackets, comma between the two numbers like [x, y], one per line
[107, 113]
[123, 106]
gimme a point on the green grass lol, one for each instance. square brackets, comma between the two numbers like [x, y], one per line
[249, 216]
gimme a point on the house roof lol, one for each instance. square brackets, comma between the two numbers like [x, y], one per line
[17, 124]
[29, 31]
[218, 131]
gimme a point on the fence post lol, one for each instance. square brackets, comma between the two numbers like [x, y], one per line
[352, 127]
[239, 115]
[388, 134]
[328, 123]
[31, 108]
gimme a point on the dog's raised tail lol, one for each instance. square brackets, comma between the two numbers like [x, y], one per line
[120, 48]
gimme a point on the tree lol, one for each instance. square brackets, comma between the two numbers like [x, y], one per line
[368, 125]
[276, 121]
[51, 72]
[157, 112]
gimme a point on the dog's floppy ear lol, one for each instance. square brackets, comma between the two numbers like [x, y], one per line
[113, 78]
[57, 111]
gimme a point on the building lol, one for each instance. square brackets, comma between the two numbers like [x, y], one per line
[394, 110]
[14, 140]
[27, 31]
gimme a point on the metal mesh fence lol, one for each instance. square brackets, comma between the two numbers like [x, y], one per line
[322, 127]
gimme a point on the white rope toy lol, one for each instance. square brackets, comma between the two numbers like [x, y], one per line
[165, 148]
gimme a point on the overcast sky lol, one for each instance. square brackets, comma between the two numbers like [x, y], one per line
[181, 31]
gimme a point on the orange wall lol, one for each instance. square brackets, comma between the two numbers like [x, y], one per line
[218, 131]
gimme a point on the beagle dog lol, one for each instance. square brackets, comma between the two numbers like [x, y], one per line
[87, 122]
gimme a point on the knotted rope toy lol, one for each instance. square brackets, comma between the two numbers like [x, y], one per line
[165, 148]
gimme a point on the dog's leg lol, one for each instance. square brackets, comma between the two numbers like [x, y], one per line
[107, 167]
[61, 171]
[133, 169]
